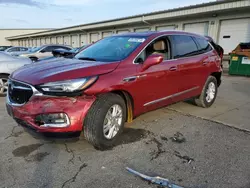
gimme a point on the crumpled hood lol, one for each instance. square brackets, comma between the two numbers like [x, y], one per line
[61, 69]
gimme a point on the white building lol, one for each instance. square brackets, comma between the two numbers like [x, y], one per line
[227, 22]
[4, 33]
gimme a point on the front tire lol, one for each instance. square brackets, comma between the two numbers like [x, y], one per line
[3, 85]
[105, 121]
[208, 94]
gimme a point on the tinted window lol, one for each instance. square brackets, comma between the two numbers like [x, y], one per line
[114, 48]
[50, 48]
[184, 46]
[204, 46]
[63, 47]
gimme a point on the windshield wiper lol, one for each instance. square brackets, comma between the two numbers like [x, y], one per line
[87, 58]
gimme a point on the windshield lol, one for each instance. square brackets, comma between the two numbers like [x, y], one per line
[115, 48]
[35, 49]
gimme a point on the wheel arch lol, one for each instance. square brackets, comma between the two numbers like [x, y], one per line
[217, 75]
[128, 101]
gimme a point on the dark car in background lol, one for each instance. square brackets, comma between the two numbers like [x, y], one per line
[113, 81]
[67, 53]
[3, 48]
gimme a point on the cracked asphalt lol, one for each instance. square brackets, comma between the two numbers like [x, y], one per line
[186, 146]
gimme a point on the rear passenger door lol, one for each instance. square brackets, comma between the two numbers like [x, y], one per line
[207, 57]
[188, 61]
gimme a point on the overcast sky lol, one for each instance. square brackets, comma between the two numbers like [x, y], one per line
[62, 13]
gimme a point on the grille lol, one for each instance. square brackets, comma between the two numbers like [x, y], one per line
[19, 93]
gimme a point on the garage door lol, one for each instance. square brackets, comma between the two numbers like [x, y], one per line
[94, 37]
[123, 31]
[74, 41]
[107, 34]
[53, 40]
[83, 39]
[43, 41]
[198, 28]
[38, 42]
[232, 32]
[33, 42]
[167, 27]
[59, 40]
[142, 29]
[66, 40]
[47, 40]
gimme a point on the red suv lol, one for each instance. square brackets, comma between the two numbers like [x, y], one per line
[113, 81]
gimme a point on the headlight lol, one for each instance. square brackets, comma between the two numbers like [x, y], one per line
[67, 86]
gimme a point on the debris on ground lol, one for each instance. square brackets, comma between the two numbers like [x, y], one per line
[156, 153]
[162, 182]
[186, 159]
[178, 138]
[164, 138]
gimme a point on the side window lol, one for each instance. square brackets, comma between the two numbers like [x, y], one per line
[184, 46]
[23, 49]
[203, 45]
[49, 48]
[64, 47]
[13, 50]
[160, 46]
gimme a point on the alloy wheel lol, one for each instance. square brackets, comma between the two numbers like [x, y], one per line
[210, 94]
[112, 121]
[3, 85]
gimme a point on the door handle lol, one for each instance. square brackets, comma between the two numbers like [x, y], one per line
[130, 79]
[205, 62]
[174, 68]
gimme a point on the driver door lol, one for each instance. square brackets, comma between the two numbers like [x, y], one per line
[157, 83]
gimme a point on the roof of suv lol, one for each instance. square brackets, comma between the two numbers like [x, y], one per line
[157, 33]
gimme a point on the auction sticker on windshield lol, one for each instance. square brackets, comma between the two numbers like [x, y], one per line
[140, 40]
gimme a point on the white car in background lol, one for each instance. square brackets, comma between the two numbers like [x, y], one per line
[15, 51]
[8, 64]
[43, 51]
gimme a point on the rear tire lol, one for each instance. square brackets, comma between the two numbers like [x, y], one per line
[34, 59]
[100, 118]
[208, 94]
[3, 84]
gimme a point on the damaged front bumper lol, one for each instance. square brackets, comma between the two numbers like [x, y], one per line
[52, 114]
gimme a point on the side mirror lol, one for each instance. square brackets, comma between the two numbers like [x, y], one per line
[152, 60]
[42, 51]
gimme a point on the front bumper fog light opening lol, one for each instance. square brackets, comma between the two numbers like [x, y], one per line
[56, 120]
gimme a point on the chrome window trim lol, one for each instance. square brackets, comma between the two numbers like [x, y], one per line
[170, 59]
[170, 96]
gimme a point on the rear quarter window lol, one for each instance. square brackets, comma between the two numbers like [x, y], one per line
[203, 45]
[184, 46]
